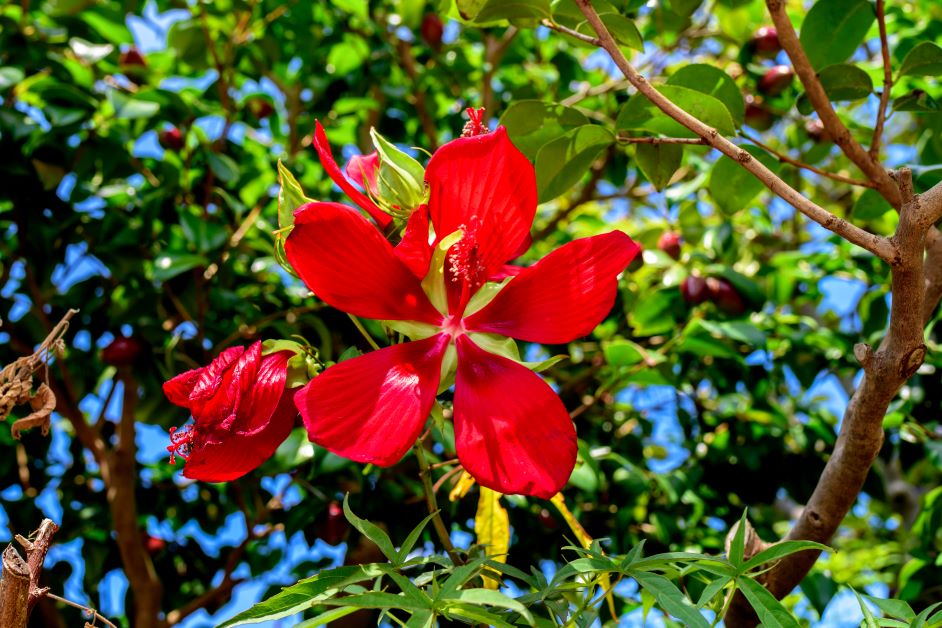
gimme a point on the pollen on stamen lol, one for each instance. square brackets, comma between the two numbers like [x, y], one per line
[181, 443]
[464, 256]
[475, 125]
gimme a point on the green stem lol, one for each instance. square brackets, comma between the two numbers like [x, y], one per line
[366, 334]
[426, 474]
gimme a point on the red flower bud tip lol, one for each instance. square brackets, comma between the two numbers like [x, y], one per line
[132, 57]
[669, 242]
[694, 290]
[776, 80]
[171, 139]
[122, 351]
[765, 42]
[432, 30]
[475, 125]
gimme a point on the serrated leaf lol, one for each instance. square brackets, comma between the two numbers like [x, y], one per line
[833, 29]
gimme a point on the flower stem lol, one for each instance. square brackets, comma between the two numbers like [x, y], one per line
[426, 474]
[366, 334]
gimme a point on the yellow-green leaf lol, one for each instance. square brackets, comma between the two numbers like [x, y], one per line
[492, 526]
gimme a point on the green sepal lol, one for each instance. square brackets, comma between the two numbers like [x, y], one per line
[303, 366]
[401, 179]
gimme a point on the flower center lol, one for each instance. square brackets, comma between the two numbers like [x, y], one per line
[181, 442]
[453, 326]
[475, 125]
[465, 255]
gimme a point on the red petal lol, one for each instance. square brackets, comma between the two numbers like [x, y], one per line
[363, 165]
[484, 181]
[512, 432]
[414, 249]
[561, 297]
[372, 408]
[226, 457]
[202, 382]
[346, 262]
[333, 171]
[261, 396]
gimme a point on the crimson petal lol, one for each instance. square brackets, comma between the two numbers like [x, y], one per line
[512, 432]
[484, 185]
[346, 262]
[561, 297]
[322, 146]
[373, 407]
[414, 249]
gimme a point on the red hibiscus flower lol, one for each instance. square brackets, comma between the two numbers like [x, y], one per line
[450, 291]
[242, 412]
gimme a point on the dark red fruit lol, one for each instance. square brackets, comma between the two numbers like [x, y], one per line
[694, 290]
[154, 545]
[547, 519]
[261, 108]
[725, 296]
[669, 242]
[432, 30]
[132, 57]
[171, 139]
[122, 351]
[758, 116]
[334, 526]
[776, 80]
[765, 42]
[816, 131]
[638, 261]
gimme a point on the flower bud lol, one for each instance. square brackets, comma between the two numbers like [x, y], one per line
[400, 181]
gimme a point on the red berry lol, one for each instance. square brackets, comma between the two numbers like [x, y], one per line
[638, 261]
[132, 57]
[261, 108]
[694, 290]
[171, 139]
[546, 518]
[333, 527]
[776, 80]
[669, 242]
[122, 351]
[765, 42]
[432, 30]
[816, 131]
[725, 296]
[154, 545]
[758, 116]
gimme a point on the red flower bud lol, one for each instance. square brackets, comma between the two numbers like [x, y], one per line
[432, 30]
[725, 296]
[241, 409]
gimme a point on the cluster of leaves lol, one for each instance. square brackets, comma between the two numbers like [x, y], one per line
[685, 412]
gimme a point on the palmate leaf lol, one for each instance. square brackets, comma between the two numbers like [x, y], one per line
[769, 610]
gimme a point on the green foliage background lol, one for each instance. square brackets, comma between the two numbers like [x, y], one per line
[686, 415]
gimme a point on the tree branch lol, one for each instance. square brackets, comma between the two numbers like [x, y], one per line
[782, 157]
[887, 82]
[19, 589]
[661, 140]
[822, 105]
[878, 245]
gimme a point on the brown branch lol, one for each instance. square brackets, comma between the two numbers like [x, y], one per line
[878, 245]
[19, 589]
[559, 28]
[661, 140]
[933, 274]
[885, 371]
[782, 157]
[404, 49]
[96, 616]
[494, 49]
[887, 82]
[822, 105]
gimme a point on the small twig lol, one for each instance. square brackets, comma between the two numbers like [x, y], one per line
[660, 140]
[448, 474]
[362, 330]
[426, 474]
[887, 82]
[596, 90]
[800, 164]
[96, 616]
[559, 28]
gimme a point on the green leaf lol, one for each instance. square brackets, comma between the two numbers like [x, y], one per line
[659, 162]
[712, 81]
[305, 594]
[893, 608]
[359, 8]
[833, 29]
[925, 59]
[916, 100]
[870, 205]
[410, 541]
[531, 124]
[325, 618]
[641, 113]
[622, 29]
[710, 590]
[348, 55]
[494, 10]
[224, 166]
[378, 599]
[561, 163]
[187, 39]
[923, 617]
[670, 599]
[869, 620]
[370, 531]
[10, 77]
[842, 82]
[770, 611]
[780, 550]
[169, 265]
[732, 186]
[738, 544]
[290, 196]
[622, 353]
[489, 597]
